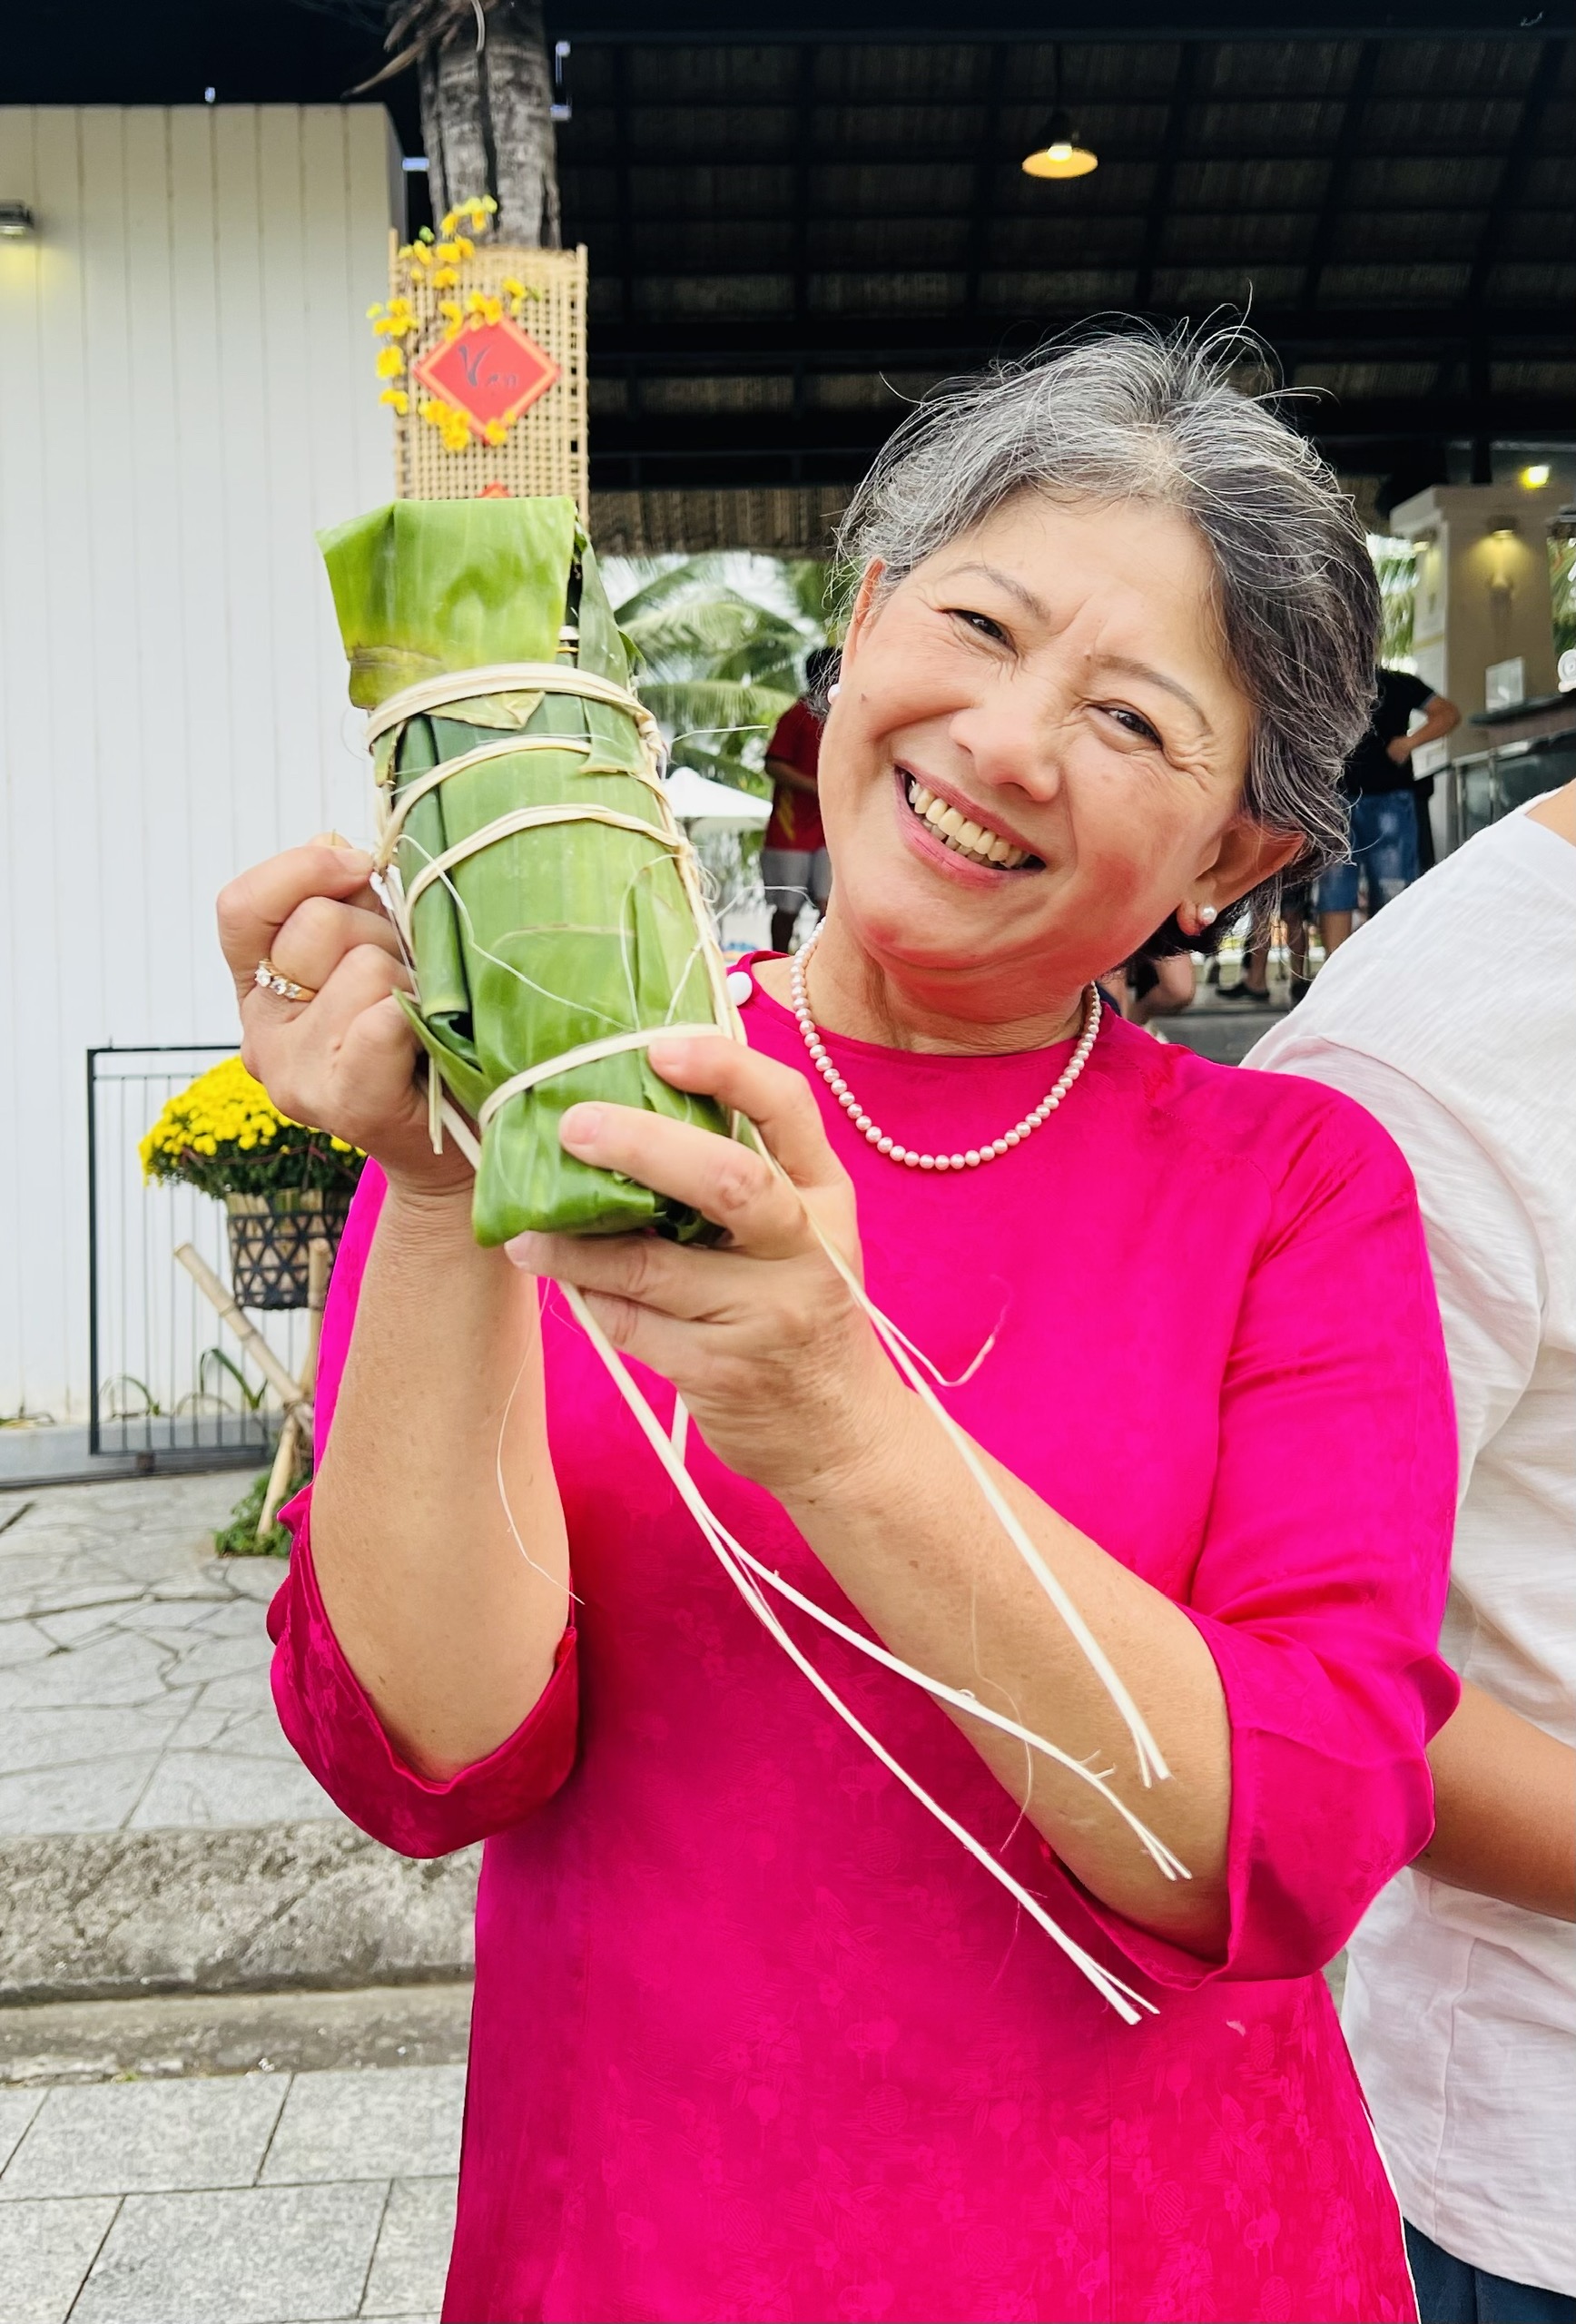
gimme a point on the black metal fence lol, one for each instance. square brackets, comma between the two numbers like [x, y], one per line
[169, 1385]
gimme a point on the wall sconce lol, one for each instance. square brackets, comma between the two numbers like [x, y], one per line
[16, 223]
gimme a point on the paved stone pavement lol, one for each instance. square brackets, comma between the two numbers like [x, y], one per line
[253, 2199]
[133, 1666]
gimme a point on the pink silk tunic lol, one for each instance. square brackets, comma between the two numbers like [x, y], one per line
[753, 2038]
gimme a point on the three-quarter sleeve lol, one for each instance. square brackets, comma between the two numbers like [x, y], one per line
[1321, 1580]
[322, 1706]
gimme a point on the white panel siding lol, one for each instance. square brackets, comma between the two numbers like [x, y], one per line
[186, 395]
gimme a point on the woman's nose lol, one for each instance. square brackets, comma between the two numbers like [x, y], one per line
[1015, 742]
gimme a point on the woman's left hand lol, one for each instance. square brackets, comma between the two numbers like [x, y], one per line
[781, 1371]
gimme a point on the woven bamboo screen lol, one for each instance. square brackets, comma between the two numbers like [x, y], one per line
[545, 451]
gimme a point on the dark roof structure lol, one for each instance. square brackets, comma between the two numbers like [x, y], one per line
[801, 216]
[790, 241]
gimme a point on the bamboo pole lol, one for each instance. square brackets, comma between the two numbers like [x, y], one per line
[223, 1301]
[319, 1260]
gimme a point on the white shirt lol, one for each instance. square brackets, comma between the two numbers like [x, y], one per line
[1452, 1018]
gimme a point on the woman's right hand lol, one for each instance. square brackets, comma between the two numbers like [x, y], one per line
[343, 1061]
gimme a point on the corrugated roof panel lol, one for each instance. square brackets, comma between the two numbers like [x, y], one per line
[1534, 378]
[709, 71]
[1444, 68]
[1279, 125]
[717, 393]
[892, 189]
[1383, 182]
[660, 295]
[1392, 286]
[1278, 184]
[711, 132]
[684, 245]
[1133, 130]
[711, 190]
[1440, 125]
[1557, 130]
[868, 390]
[914, 245]
[1035, 242]
[1538, 235]
[1552, 178]
[1219, 236]
[1050, 291]
[1189, 289]
[1130, 73]
[1365, 380]
[1269, 68]
[892, 73]
[886, 294]
[946, 130]
[1403, 234]
[1116, 188]
[1526, 285]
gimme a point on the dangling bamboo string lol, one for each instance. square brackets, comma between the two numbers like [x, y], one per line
[434, 695]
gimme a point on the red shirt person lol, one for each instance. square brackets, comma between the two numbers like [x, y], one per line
[795, 866]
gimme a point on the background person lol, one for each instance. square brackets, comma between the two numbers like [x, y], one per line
[1385, 813]
[796, 868]
[1453, 1020]
[753, 2036]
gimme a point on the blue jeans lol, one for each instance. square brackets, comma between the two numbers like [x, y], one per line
[1451, 2291]
[1383, 853]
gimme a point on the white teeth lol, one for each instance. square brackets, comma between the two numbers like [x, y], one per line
[957, 831]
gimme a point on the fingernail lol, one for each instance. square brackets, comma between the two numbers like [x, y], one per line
[581, 1128]
[670, 1055]
[525, 1251]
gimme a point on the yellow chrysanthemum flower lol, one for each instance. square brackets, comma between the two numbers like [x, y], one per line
[390, 363]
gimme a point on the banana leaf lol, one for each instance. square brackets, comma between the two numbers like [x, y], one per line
[554, 937]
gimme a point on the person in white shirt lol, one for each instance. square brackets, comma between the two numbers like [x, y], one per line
[1452, 1017]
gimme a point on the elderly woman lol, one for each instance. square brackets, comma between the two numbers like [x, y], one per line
[753, 2037]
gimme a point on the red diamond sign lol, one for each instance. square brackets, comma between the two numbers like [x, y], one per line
[492, 372]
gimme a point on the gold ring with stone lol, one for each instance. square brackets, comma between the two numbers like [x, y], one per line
[268, 979]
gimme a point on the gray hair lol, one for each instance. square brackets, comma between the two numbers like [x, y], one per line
[1136, 414]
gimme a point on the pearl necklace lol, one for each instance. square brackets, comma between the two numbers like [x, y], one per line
[878, 1138]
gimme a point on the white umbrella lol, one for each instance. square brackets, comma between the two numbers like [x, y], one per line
[695, 800]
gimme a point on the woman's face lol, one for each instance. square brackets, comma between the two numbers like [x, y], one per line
[1055, 680]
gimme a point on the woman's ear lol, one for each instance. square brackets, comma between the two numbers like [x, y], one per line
[863, 610]
[1248, 854]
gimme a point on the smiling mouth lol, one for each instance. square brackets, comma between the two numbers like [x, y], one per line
[975, 841]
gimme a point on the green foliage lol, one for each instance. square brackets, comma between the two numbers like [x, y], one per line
[239, 1538]
[1396, 565]
[720, 643]
[1562, 583]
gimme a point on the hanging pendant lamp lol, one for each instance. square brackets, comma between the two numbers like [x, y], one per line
[1062, 152]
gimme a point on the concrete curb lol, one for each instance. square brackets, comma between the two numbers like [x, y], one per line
[103, 1915]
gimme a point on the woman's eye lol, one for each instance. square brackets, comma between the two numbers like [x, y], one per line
[981, 623]
[1131, 722]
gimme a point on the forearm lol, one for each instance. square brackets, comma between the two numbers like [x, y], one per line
[1505, 1808]
[911, 1541]
[448, 1626]
[790, 777]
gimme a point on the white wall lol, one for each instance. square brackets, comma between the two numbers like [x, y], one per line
[186, 393]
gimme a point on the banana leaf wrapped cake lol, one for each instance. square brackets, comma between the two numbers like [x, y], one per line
[550, 906]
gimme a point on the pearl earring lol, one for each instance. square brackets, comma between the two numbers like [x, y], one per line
[1208, 915]
[834, 690]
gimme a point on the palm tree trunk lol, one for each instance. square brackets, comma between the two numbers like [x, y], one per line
[486, 118]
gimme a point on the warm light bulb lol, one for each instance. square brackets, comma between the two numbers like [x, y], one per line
[1062, 152]
[1536, 475]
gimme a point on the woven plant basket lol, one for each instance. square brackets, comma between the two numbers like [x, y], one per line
[270, 1238]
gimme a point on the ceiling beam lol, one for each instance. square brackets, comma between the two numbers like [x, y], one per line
[985, 176]
[1166, 163]
[1347, 139]
[907, 23]
[757, 343]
